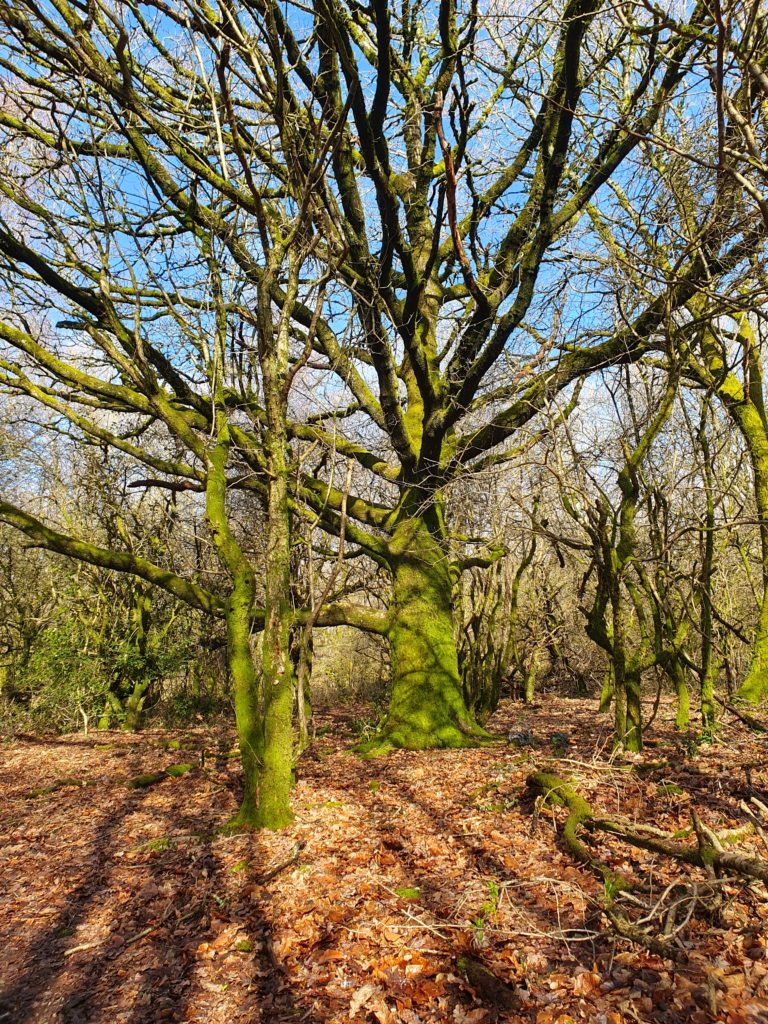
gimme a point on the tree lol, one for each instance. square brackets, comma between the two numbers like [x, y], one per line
[381, 200]
[709, 179]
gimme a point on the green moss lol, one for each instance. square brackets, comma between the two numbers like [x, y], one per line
[484, 790]
[374, 785]
[669, 789]
[276, 777]
[244, 946]
[59, 784]
[143, 781]
[158, 845]
[408, 892]
[244, 821]
[683, 716]
[427, 707]
[682, 833]
[754, 689]
[242, 865]
[151, 778]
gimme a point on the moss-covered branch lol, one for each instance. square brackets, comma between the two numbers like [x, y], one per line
[121, 561]
[709, 853]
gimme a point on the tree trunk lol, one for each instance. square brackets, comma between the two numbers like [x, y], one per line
[274, 810]
[745, 403]
[239, 609]
[245, 689]
[134, 706]
[607, 691]
[708, 664]
[427, 706]
[676, 672]
[530, 679]
[303, 659]
[141, 622]
[633, 737]
[753, 428]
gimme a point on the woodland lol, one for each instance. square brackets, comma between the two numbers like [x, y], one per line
[383, 511]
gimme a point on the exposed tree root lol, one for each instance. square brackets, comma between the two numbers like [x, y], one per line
[447, 734]
[710, 852]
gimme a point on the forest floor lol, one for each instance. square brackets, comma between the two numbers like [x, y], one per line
[429, 886]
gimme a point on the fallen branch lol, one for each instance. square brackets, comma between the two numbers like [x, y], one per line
[82, 948]
[165, 915]
[748, 720]
[709, 853]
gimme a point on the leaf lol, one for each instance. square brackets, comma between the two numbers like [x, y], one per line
[362, 997]
[587, 983]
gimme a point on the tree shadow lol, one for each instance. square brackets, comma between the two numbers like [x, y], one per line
[538, 912]
[147, 967]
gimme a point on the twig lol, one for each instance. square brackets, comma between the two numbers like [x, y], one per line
[743, 806]
[292, 857]
[166, 914]
[80, 949]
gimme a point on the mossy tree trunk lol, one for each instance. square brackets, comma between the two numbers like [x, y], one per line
[608, 626]
[140, 671]
[707, 544]
[527, 671]
[483, 638]
[619, 620]
[134, 705]
[427, 706]
[274, 809]
[745, 403]
[238, 612]
[303, 657]
[676, 672]
[752, 421]
[246, 693]
[607, 690]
